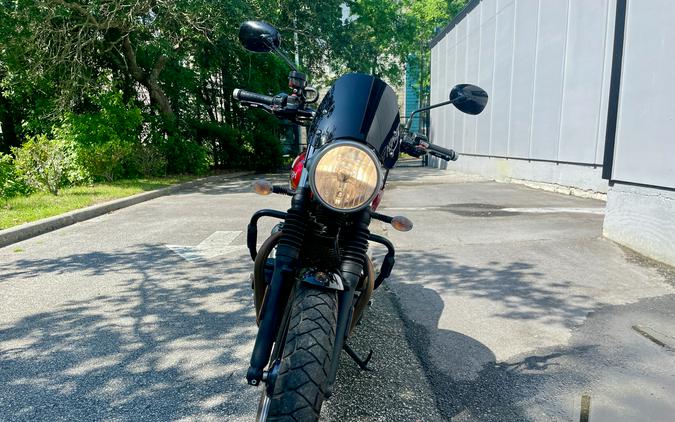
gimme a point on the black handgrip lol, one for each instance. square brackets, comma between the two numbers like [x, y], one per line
[252, 97]
[444, 153]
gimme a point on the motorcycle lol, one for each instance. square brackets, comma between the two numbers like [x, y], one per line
[312, 277]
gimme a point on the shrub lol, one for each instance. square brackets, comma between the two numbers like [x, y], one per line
[177, 144]
[266, 151]
[149, 161]
[10, 182]
[222, 141]
[106, 160]
[105, 141]
[114, 121]
[44, 163]
[185, 156]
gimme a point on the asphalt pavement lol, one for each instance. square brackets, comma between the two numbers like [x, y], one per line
[520, 310]
[506, 304]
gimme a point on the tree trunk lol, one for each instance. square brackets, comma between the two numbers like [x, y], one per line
[159, 99]
[9, 138]
[150, 81]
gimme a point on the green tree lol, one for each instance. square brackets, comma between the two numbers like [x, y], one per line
[429, 17]
[179, 60]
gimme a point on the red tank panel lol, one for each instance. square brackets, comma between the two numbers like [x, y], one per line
[296, 170]
[376, 201]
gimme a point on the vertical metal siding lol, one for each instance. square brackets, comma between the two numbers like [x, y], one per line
[522, 95]
[460, 75]
[501, 93]
[545, 65]
[471, 76]
[450, 60]
[584, 74]
[443, 79]
[548, 84]
[435, 86]
[488, 25]
[606, 80]
[645, 146]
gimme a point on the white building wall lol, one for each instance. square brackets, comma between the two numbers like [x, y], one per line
[641, 201]
[645, 136]
[546, 66]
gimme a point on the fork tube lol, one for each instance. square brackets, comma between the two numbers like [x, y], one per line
[355, 245]
[285, 266]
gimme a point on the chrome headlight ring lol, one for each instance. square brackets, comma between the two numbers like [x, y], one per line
[345, 176]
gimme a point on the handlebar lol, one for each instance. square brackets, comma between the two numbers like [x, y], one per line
[417, 145]
[283, 106]
[440, 152]
[252, 97]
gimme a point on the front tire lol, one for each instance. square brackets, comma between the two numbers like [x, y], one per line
[300, 388]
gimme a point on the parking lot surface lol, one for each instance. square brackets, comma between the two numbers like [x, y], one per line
[506, 304]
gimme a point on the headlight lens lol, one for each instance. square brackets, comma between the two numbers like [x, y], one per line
[345, 176]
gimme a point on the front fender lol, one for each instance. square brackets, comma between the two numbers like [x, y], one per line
[323, 279]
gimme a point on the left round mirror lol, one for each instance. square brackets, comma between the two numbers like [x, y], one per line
[259, 36]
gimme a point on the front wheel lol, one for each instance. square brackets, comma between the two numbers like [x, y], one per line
[300, 387]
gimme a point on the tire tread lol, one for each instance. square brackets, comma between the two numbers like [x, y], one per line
[300, 386]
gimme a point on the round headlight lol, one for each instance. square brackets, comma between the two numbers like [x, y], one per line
[345, 176]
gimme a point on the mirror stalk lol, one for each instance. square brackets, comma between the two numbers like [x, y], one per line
[469, 99]
[279, 53]
[419, 110]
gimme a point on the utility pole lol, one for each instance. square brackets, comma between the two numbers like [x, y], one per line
[296, 43]
[297, 133]
[420, 69]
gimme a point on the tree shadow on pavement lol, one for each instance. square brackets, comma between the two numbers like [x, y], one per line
[522, 292]
[163, 340]
[468, 381]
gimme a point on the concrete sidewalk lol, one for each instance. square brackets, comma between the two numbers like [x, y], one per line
[518, 306]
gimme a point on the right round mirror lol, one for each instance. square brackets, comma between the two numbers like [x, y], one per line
[468, 98]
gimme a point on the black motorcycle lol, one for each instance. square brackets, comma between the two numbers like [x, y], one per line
[312, 277]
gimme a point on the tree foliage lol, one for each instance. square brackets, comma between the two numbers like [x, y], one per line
[175, 63]
[11, 183]
[429, 17]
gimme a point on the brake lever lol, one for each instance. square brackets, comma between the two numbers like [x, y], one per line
[411, 149]
[264, 107]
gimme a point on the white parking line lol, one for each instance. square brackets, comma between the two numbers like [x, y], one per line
[219, 243]
[542, 210]
[556, 210]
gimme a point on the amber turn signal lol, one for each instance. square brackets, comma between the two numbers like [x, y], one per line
[401, 223]
[262, 187]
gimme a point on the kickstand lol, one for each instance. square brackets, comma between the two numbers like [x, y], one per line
[363, 363]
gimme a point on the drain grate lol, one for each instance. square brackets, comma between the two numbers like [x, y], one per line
[585, 413]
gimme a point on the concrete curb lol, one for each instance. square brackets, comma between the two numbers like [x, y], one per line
[46, 225]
